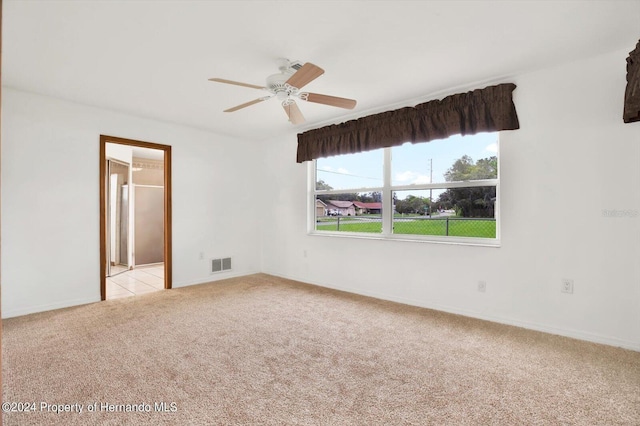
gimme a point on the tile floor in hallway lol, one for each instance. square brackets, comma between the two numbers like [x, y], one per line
[141, 280]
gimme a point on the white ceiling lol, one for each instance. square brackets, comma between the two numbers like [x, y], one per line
[148, 153]
[153, 58]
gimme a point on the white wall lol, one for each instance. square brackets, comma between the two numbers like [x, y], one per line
[572, 158]
[50, 200]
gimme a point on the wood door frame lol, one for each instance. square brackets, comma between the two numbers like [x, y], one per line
[103, 207]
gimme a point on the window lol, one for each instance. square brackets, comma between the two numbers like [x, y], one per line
[443, 190]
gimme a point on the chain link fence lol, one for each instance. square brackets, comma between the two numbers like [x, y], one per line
[366, 223]
[413, 225]
[446, 226]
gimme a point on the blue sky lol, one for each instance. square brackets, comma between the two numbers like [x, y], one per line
[411, 163]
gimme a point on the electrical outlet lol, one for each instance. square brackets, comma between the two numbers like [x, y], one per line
[567, 286]
[201, 255]
[482, 286]
[304, 253]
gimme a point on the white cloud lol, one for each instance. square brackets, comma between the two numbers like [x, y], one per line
[493, 147]
[420, 179]
[412, 178]
[343, 171]
[404, 176]
[327, 168]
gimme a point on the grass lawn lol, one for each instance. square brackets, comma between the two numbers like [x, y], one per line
[482, 228]
[350, 226]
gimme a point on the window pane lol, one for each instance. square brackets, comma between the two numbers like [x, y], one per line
[361, 170]
[454, 212]
[457, 158]
[349, 212]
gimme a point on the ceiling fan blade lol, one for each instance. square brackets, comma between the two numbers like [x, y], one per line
[331, 100]
[237, 83]
[305, 75]
[294, 113]
[246, 104]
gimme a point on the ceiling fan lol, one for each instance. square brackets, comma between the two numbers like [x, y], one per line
[286, 85]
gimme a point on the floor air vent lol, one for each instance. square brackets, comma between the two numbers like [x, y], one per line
[220, 265]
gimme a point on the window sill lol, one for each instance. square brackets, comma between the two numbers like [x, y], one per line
[479, 242]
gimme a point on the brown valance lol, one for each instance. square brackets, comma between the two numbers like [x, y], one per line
[632, 94]
[483, 110]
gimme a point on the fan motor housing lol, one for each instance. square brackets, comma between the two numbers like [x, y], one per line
[276, 82]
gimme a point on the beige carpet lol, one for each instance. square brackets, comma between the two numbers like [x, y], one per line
[261, 350]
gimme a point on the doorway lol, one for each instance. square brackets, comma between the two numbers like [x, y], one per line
[135, 212]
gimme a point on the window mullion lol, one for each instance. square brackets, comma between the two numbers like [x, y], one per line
[312, 177]
[387, 196]
[342, 191]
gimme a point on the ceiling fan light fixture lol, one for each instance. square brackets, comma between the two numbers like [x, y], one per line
[286, 85]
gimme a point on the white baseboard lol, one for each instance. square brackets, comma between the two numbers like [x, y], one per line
[566, 332]
[11, 313]
[214, 277]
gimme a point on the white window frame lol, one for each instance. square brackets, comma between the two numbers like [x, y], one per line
[387, 203]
